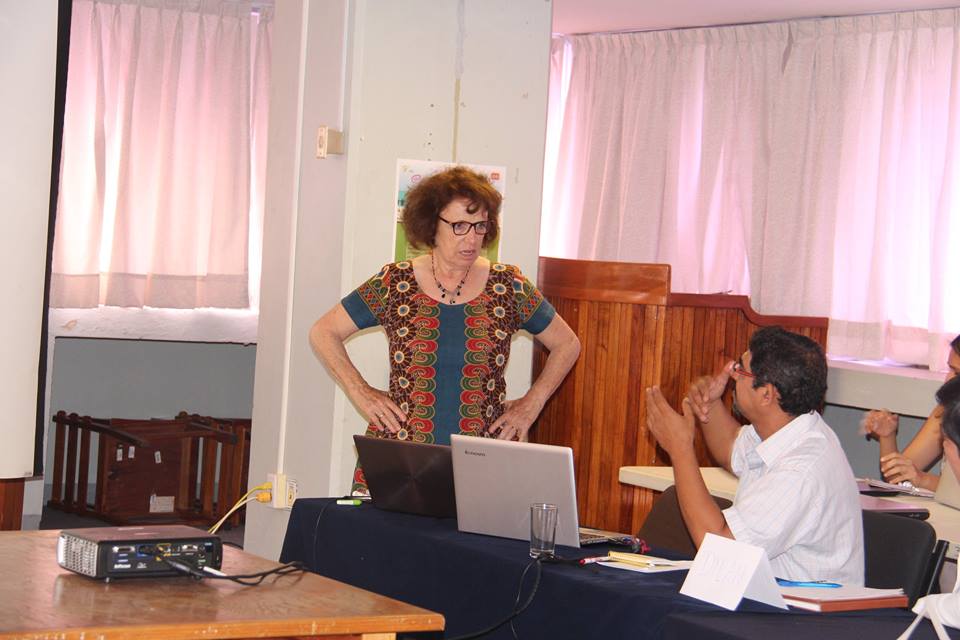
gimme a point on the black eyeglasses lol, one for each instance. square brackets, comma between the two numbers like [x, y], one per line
[740, 371]
[463, 227]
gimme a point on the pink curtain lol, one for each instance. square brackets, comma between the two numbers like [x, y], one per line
[809, 164]
[164, 139]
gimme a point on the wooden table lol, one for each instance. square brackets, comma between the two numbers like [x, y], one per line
[39, 599]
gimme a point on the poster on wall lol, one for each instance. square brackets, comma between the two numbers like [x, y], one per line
[409, 173]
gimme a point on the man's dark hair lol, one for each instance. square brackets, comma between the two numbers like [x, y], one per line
[794, 364]
[955, 345]
[948, 397]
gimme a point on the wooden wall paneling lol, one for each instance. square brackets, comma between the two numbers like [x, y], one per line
[635, 334]
[609, 440]
[11, 510]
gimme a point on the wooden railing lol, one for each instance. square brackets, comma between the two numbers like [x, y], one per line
[635, 334]
[198, 462]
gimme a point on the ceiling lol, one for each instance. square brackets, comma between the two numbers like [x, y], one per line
[587, 16]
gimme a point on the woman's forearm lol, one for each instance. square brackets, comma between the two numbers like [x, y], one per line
[326, 339]
[888, 444]
[560, 360]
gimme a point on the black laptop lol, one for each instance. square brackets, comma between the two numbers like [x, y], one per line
[408, 477]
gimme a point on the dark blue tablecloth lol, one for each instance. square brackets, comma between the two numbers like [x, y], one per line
[473, 581]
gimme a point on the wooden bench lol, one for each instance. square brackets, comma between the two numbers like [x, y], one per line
[190, 470]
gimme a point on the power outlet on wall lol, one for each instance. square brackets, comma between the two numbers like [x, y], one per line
[291, 492]
[283, 490]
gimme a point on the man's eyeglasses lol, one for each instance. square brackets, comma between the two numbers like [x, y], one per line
[740, 371]
[463, 227]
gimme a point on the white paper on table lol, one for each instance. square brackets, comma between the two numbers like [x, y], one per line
[676, 565]
[725, 571]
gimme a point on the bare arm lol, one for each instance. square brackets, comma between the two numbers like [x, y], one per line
[718, 425]
[922, 451]
[927, 445]
[564, 347]
[326, 338]
[675, 434]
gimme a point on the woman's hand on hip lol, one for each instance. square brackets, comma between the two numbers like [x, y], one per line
[378, 408]
[518, 416]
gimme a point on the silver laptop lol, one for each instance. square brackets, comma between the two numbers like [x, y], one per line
[948, 491]
[496, 481]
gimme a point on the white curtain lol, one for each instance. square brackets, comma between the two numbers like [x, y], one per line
[163, 151]
[809, 164]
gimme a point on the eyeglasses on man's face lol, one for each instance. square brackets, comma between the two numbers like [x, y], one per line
[739, 369]
[463, 227]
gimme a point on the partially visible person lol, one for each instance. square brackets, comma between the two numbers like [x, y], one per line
[948, 399]
[944, 608]
[797, 497]
[449, 315]
[912, 464]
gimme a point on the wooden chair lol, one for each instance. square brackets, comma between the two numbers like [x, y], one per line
[664, 527]
[191, 469]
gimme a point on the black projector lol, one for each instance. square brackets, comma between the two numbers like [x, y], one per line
[136, 551]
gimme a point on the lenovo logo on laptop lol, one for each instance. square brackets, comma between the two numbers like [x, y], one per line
[467, 452]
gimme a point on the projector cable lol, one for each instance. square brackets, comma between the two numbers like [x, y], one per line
[247, 579]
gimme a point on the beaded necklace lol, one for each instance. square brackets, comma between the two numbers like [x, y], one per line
[443, 290]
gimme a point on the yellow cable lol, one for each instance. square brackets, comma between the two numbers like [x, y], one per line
[244, 499]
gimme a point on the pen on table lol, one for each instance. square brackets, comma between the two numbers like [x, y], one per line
[808, 583]
[593, 559]
[356, 502]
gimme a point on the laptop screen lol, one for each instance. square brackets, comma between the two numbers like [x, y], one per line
[407, 476]
[497, 481]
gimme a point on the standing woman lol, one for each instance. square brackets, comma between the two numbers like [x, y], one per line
[449, 316]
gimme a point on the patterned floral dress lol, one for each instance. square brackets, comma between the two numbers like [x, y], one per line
[447, 362]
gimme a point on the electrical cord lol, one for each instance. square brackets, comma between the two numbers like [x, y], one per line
[244, 499]
[248, 579]
[316, 528]
[516, 602]
[516, 611]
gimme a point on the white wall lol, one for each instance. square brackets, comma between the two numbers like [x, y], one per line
[393, 69]
[28, 48]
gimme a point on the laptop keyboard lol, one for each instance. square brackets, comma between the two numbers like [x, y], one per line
[590, 536]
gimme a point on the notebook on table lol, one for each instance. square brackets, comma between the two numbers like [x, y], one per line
[883, 505]
[407, 476]
[873, 487]
[497, 480]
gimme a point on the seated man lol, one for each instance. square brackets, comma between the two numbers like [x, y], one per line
[797, 497]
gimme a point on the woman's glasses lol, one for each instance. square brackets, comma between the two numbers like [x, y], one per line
[463, 227]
